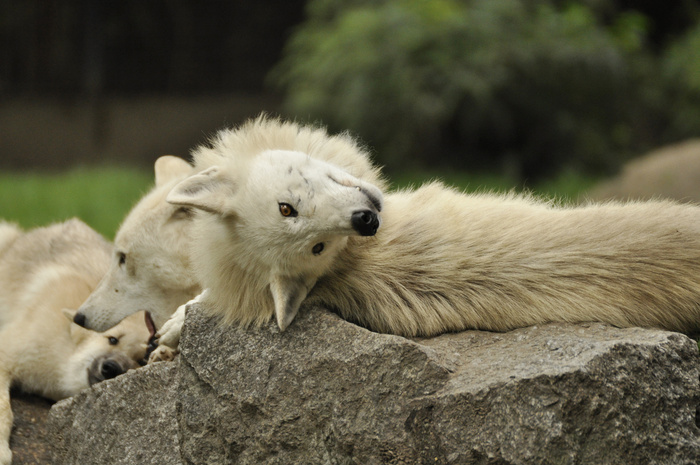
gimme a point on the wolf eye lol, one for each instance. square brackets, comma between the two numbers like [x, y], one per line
[287, 210]
[122, 258]
[113, 341]
[318, 248]
[183, 213]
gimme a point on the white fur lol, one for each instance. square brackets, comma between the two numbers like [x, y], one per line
[259, 166]
[8, 233]
[150, 267]
[169, 339]
[42, 273]
[156, 237]
[441, 260]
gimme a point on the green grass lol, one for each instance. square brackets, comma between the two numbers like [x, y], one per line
[100, 196]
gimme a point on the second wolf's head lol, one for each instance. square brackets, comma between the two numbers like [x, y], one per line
[105, 355]
[150, 268]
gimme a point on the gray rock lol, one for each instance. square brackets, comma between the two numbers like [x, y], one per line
[328, 392]
[128, 420]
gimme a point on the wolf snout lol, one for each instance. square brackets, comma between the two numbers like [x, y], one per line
[111, 369]
[79, 319]
[108, 367]
[365, 222]
[374, 197]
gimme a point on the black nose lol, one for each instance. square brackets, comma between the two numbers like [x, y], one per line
[79, 319]
[365, 222]
[111, 369]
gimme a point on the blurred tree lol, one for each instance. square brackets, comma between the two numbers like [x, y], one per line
[666, 20]
[681, 75]
[526, 86]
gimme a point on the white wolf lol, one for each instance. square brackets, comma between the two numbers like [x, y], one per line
[280, 225]
[150, 267]
[43, 274]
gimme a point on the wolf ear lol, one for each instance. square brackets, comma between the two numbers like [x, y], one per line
[77, 333]
[68, 313]
[168, 168]
[208, 191]
[288, 294]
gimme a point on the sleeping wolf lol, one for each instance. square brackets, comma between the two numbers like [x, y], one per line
[43, 274]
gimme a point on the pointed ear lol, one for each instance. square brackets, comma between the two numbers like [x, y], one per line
[168, 168]
[68, 313]
[288, 294]
[208, 191]
[77, 333]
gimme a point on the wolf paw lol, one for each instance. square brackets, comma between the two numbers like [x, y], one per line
[169, 334]
[162, 354]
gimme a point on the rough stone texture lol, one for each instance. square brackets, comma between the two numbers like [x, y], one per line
[328, 392]
[128, 420]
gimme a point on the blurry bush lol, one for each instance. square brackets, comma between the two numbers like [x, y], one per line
[681, 76]
[530, 88]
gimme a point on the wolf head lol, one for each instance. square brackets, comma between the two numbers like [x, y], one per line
[286, 215]
[100, 356]
[150, 268]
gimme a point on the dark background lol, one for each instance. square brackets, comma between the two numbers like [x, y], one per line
[126, 81]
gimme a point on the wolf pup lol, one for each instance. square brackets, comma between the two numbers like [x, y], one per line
[43, 274]
[280, 224]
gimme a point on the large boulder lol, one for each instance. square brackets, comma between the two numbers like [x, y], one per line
[130, 419]
[670, 172]
[328, 392]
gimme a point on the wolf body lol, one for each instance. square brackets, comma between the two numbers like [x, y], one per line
[441, 260]
[44, 273]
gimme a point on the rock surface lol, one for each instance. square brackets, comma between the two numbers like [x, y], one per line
[328, 392]
[130, 419]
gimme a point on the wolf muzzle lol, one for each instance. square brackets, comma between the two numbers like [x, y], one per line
[108, 367]
[79, 319]
[365, 222]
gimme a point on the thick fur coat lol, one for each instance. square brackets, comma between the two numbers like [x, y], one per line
[441, 260]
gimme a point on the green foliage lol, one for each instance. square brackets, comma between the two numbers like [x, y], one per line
[527, 87]
[681, 65]
[101, 197]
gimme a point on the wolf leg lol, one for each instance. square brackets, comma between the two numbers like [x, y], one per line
[169, 335]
